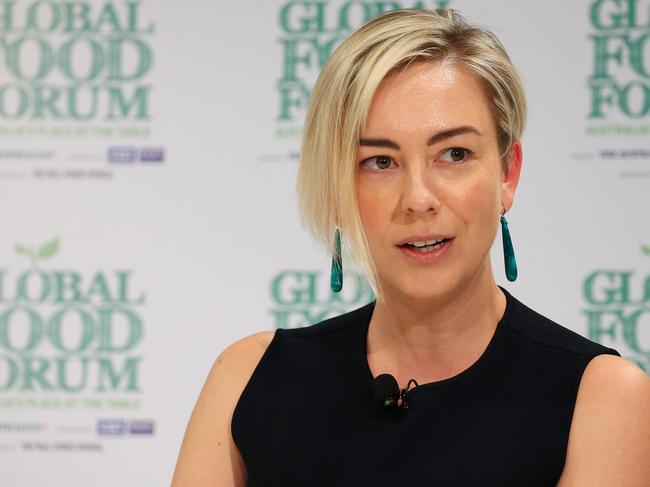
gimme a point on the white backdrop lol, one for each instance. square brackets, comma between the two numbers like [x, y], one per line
[147, 163]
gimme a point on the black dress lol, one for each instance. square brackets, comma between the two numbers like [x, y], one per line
[307, 416]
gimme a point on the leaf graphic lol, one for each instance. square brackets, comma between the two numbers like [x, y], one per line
[48, 249]
[21, 250]
[646, 249]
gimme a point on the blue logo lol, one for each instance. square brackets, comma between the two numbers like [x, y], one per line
[152, 154]
[122, 154]
[111, 427]
[141, 427]
[128, 154]
[121, 427]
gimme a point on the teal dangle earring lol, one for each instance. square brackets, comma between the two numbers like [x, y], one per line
[336, 276]
[508, 250]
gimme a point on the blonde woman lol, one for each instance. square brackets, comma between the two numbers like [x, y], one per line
[412, 152]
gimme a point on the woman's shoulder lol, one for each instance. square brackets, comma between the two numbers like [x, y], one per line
[248, 349]
[535, 328]
[208, 454]
[237, 362]
[609, 436]
[240, 360]
[330, 325]
[609, 440]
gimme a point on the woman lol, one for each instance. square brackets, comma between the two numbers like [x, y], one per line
[412, 152]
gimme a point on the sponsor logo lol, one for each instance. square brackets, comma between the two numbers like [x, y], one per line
[27, 155]
[128, 154]
[121, 427]
[121, 154]
[111, 427]
[25, 427]
[619, 84]
[141, 427]
[310, 31]
[60, 447]
[68, 331]
[617, 309]
[152, 154]
[302, 297]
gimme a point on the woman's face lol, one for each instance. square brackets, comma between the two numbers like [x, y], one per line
[429, 170]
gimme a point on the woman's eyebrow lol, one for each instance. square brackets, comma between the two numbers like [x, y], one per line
[435, 138]
[465, 129]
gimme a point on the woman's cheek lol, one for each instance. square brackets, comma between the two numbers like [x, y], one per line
[374, 193]
[368, 208]
[474, 199]
[376, 214]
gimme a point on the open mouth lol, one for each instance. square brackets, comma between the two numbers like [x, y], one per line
[425, 246]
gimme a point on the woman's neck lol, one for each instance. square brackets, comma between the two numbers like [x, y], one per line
[437, 338]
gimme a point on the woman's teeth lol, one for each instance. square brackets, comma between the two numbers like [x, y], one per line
[426, 246]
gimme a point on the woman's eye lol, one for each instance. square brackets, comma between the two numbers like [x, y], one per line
[378, 163]
[456, 154]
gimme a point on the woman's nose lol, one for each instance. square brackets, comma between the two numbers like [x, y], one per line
[419, 192]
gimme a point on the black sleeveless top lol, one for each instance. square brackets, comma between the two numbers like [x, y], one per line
[307, 416]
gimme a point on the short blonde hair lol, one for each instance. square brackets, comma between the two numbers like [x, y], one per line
[341, 99]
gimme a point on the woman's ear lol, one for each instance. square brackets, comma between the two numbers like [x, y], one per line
[510, 176]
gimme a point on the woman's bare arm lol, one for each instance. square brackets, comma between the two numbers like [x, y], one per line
[609, 441]
[208, 455]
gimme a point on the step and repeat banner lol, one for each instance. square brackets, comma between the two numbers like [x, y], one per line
[148, 154]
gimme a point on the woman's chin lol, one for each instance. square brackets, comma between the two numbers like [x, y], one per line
[419, 290]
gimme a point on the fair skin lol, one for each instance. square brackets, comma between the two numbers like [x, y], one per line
[438, 313]
[412, 187]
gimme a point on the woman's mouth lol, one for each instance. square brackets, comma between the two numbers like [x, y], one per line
[426, 251]
[425, 246]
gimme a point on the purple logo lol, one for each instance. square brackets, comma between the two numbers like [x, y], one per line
[141, 427]
[111, 427]
[121, 154]
[152, 154]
